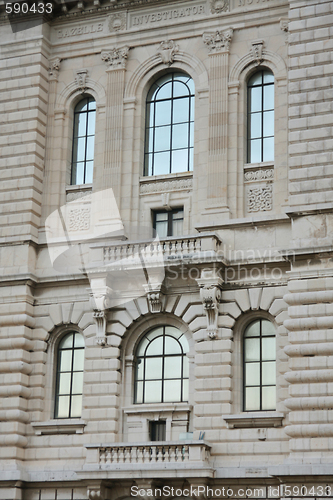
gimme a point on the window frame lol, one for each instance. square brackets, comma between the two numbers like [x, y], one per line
[88, 112]
[262, 111]
[149, 149]
[170, 214]
[261, 385]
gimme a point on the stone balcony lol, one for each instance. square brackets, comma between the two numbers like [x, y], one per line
[149, 460]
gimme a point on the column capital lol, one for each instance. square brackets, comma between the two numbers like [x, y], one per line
[115, 58]
[218, 42]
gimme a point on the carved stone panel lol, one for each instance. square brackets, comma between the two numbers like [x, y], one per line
[260, 198]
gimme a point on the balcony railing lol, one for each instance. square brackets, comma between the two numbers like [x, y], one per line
[149, 456]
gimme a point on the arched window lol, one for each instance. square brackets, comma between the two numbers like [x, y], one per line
[169, 125]
[162, 367]
[260, 117]
[259, 355]
[69, 383]
[83, 141]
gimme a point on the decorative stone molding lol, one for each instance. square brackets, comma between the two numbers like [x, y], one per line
[54, 68]
[259, 420]
[219, 41]
[99, 492]
[210, 293]
[161, 187]
[100, 319]
[116, 58]
[219, 6]
[284, 25]
[76, 195]
[100, 301]
[79, 219]
[117, 22]
[156, 298]
[260, 199]
[167, 50]
[259, 175]
[81, 80]
[257, 51]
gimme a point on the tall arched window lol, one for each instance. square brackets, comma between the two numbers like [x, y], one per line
[69, 383]
[162, 368]
[259, 355]
[83, 141]
[169, 125]
[260, 117]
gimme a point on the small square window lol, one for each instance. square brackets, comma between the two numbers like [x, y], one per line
[168, 223]
[157, 430]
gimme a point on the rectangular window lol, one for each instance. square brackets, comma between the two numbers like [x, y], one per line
[168, 223]
[157, 430]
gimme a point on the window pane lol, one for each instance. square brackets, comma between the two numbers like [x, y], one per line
[64, 383]
[78, 359]
[150, 115]
[149, 140]
[192, 108]
[172, 390]
[162, 138]
[267, 327]
[139, 392]
[82, 105]
[191, 135]
[139, 369]
[163, 113]
[268, 123]
[179, 160]
[252, 374]
[184, 343]
[161, 229]
[268, 149]
[162, 163]
[162, 216]
[155, 347]
[253, 330]
[78, 340]
[268, 97]
[76, 408]
[255, 151]
[172, 367]
[78, 173]
[255, 99]
[91, 123]
[256, 79]
[268, 346]
[185, 366]
[62, 407]
[171, 346]
[165, 91]
[66, 342]
[89, 172]
[252, 398]
[269, 373]
[268, 398]
[90, 148]
[179, 89]
[153, 391]
[185, 389]
[252, 349]
[149, 164]
[268, 77]
[255, 125]
[181, 110]
[65, 364]
[191, 160]
[77, 386]
[80, 128]
[180, 136]
[177, 227]
[153, 368]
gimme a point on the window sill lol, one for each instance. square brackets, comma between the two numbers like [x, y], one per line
[263, 164]
[254, 420]
[179, 175]
[61, 426]
[158, 408]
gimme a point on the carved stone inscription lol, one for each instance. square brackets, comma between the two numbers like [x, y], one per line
[80, 30]
[168, 15]
[246, 3]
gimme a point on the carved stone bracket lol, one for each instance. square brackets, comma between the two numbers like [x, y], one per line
[218, 6]
[81, 79]
[54, 67]
[100, 301]
[167, 51]
[156, 297]
[257, 48]
[116, 58]
[219, 41]
[210, 293]
[100, 319]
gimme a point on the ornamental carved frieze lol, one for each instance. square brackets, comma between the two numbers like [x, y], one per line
[117, 22]
[219, 41]
[259, 175]
[81, 80]
[260, 198]
[210, 287]
[167, 51]
[257, 49]
[219, 6]
[115, 58]
[54, 68]
[162, 187]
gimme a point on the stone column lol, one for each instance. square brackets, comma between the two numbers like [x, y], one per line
[115, 60]
[218, 44]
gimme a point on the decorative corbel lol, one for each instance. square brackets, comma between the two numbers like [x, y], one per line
[81, 79]
[98, 492]
[219, 41]
[116, 58]
[210, 293]
[167, 51]
[156, 297]
[256, 49]
[100, 301]
[54, 68]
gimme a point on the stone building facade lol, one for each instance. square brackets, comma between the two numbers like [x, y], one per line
[201, 356]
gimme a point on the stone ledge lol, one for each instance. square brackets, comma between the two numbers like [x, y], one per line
[254, 420]
[155, 408]
[63, 426]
